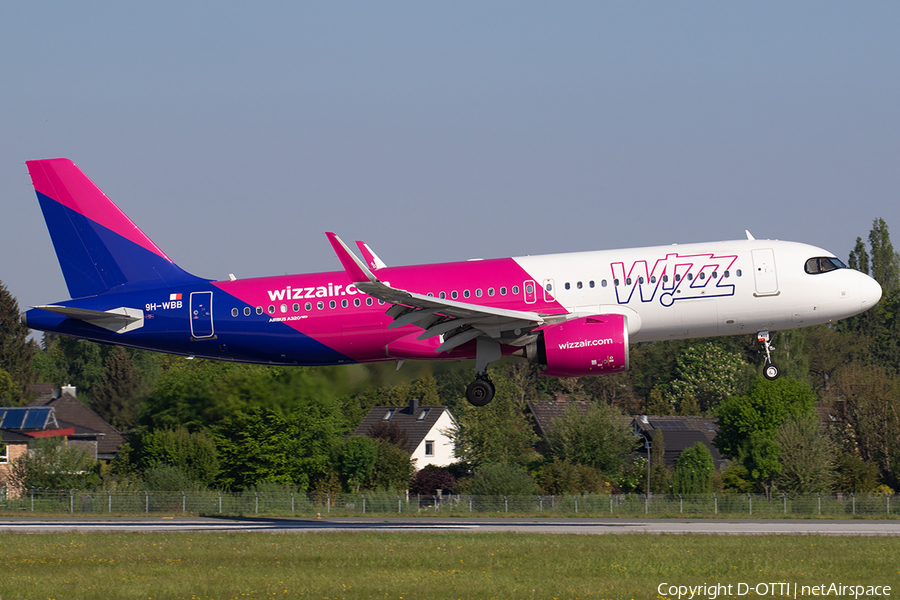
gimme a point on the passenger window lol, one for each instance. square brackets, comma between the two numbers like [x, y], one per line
[715, 275]
[503, 291]
[259, 310]
[738, 273]
[247, 311]
[442, 296]
[296, 307]
[591, 283]
[368, 302]
[320, 305]
[702, 275]
[308, 306]
[478, 292]
[567, 285]
[454, 295]
[235, 312]
[466, 293]
[331, 304]
[628, 281]
[653, 279]
[356, 302]
[283, 308]
[677, 277]
[641, 280]
[271, 309]
[515, 290]
[344, 303]
[665, 279]
[616, 282]
[490, 291]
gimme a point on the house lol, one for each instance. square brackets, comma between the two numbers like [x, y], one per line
[680, 433]
[90, 431]
[19, 426]
[427, 428]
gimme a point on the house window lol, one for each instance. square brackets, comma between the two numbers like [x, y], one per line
[387, 416]
[429, 447]
[4, 454]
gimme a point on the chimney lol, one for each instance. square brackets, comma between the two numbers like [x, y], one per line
[414, 405]
[645, 420]
[68, 389]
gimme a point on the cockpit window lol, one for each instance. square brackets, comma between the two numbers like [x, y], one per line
[823, 264]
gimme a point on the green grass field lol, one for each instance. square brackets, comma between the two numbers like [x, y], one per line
[422, 565]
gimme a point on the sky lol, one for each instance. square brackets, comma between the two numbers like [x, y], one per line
[236, 133]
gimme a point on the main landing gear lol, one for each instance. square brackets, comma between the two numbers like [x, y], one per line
[481, 391]
[770, 370]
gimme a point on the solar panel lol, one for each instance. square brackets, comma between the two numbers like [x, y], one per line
[13, 419]
[25, 417]
[37, 418]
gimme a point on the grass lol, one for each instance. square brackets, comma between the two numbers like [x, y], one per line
[424, 565]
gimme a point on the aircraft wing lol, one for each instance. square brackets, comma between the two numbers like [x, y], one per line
[458, 322]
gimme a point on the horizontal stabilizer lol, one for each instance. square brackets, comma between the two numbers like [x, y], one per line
[118, 320]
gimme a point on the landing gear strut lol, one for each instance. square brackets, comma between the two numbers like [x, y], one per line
[770, 370]
[480, 391]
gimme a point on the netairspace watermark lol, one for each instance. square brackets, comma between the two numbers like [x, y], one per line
[782, 589]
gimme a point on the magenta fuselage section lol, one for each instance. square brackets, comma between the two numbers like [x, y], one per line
[329, 309]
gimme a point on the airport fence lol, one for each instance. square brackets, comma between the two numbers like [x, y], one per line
[302, 504]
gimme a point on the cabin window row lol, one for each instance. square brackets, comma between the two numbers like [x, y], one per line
[320, 305]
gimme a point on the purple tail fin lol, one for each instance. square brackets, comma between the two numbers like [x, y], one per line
[99, 248]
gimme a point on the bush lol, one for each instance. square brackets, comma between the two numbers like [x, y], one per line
[502, 480]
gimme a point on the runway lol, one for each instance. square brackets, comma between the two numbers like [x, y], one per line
[435, 525]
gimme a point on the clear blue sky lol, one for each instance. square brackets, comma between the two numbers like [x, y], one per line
[235, 133]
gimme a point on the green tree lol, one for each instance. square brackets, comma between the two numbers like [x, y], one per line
[193, 453]
[16, 351]
[393, 470]
[560, 477]
[502, 480]
[694, 471]
[116, 397]
[261, 445]
[710, 374]
[859, 258]
[807, 457]
[885, 261]
[601, 439]
[748, 425]
[659, 472]
[500, 432]
[353, 459]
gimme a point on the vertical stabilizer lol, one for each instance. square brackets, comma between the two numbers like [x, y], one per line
[98, 246]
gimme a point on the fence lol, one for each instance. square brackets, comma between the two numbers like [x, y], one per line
[381, 504]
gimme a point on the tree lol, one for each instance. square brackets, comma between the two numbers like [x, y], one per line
[859, 258]
[500, 432]
[807, 457]
[708, 373]
[116, 396]
[261, 445]
[694, 471]
[432, 478]
[602, 438]
[748, 425]
[659, 473]
[502, 480]
[353, 459]
[868, 399]
[16, 351]
[393, 470]
[561, 477]
[885, 262]
[193, 453]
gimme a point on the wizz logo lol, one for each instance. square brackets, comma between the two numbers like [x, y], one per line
[674, 277]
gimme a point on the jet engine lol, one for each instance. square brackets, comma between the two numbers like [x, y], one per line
[594, 345]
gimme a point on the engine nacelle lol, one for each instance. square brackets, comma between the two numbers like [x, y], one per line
[595, 345]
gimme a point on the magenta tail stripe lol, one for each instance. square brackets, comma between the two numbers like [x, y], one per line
[62, 181]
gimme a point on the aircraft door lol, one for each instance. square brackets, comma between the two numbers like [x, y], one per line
[764, 272]
[530, 290]
[201, 315]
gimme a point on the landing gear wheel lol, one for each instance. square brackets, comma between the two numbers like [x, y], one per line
[480, 392]
[771, 372]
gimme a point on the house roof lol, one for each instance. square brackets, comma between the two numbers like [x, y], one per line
[417, 421]
[7, 436]
[679, 433]
[545, 411]
[71, 411]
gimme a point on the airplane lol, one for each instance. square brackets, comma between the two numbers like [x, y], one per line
[575, 314]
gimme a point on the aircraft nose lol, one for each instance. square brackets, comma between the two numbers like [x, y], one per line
[869, 292]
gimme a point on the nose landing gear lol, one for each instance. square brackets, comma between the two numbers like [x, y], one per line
[770, 370]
